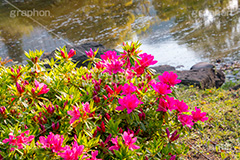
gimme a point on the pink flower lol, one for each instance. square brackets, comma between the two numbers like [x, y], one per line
[19, 140]
[185, 120]
[70, 54]
[147, 60]
[109, 55]
[90, 54]
[86, 107]
[163, 105]
[116, 146]
[129, 74]
[128, 89]
[199, 116]
[74, 153]
[181, 106]
[161, 88]
[94, 155]
[139, 69]
[129, 102]
[40, 88]
[54, 142]
[113, 67]
[129, 141]
[75, 114]
[99, 65]
[169, 78]
[171, 102]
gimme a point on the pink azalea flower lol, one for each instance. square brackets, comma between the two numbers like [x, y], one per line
[90, 54]
[70, 54]
[161, 88]
[129, 102]
[171, 102]
[147, 60]
[54, 142]
[19, 140]
[199, 116]
[94, 155]
[128, 89]
[169, 78]
[185, 120]
[86, 107]
[181, 106]
[163, 105]
[129, 141]
[129, 74]
[75, 114]
[113, 67]
[116, 146]
[74, 153]
[138, 69]
[99, 65]
[40, 88]
[109, 55]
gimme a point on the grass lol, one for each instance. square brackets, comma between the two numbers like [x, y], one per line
[220, 135]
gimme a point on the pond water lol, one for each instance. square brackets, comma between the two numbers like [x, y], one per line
[176, 32]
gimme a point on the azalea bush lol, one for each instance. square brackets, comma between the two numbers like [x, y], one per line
[116, 108]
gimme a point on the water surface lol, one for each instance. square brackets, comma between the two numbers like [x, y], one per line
[176, 32]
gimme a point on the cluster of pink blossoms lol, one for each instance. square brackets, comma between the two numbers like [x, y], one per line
[40, 88]
[167, 80]
[128, 142]
[19, 140]
[129, 102]
[55, 143]
[75, 113]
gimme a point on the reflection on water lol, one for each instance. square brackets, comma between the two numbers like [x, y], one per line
[175, 31]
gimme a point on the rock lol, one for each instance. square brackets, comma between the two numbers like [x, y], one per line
[201, 65]
[80, 52]
[203, 78]
[235, 88]
[163, 68]
[219, 77]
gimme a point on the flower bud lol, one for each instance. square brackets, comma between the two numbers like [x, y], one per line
[2, 110]
[103, 127]
[96, 99]
[55, 126]
[50, 109]
[95, 133]
[107, 116]
[97, 88]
